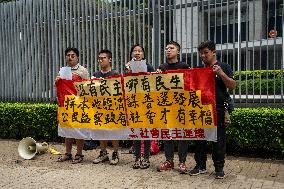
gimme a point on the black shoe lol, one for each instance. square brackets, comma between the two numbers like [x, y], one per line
[131, 150]
[136, 164]
[219, 175]
[145, 164]
[114, 159]
[197, 170]
[101, 158]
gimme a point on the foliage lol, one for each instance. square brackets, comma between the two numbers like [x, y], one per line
[263, 86]
[260, 82]
[257, 74]
[18, 120]
[257, 128]
[252, 128]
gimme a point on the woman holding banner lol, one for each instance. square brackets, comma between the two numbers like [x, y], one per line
[137, 56]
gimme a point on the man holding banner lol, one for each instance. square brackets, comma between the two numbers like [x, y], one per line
[105, 60]
[177, 104]
[223, 81]
[77, 73]
[172, 54]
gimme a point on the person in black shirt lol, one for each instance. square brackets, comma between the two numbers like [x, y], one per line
[102, 74]
[173, 63]
[105, 60]
[172, 55]
[223, 80]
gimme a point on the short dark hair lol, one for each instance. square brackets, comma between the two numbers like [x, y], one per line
[207, 44]
[132, 49]
[75, 50]
[107, 52]
[174, 43]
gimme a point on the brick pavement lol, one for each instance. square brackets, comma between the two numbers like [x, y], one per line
[44, 172]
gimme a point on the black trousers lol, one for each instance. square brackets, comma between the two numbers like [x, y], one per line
[137, 149]
[182, 150]
[219, 147]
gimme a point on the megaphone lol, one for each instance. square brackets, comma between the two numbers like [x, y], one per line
[28, 148]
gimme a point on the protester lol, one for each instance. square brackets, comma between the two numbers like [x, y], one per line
[105, 61]
[137, 53]
[223, 80]
[78, 73]
[173, 63]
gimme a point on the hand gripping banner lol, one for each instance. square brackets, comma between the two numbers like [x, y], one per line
[176, 105]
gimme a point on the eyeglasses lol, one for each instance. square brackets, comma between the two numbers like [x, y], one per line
[137, 51]
[71, 55]
[102, 58]
[169, 48]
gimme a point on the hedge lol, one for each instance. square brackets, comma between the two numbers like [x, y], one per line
[256, 74]
[266, 85]
[254, 128]
[18, 120]
[257, 128]
[252, 81]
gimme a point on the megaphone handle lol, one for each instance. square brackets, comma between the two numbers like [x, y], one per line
[32, 148]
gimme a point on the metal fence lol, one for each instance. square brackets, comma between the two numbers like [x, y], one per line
[35, 33]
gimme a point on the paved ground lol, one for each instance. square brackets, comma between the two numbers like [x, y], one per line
[44, 172]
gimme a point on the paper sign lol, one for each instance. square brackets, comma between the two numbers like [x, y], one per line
[65, 73]
[138, 66]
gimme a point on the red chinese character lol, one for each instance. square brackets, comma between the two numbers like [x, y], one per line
[199, 133]
[176, 133]
[187, 133]
[144, 133]
[133, 134]
[165, 134]
[155, 133]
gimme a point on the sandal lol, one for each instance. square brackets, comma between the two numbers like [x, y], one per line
[136, 164]
[66, 157]
[145, 163]
[78, 159]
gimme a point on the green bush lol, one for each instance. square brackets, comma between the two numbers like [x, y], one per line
[257, 128]
[263, 84]
[18, 120]
[256, 74]
[253, 81]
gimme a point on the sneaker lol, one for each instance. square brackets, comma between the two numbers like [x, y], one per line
[131, 150]
[197, 170]
[114, 159]
[136, 164]
[167, 165]
[101, 158]
[219, 175]
[145, 164]
[182, 168]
